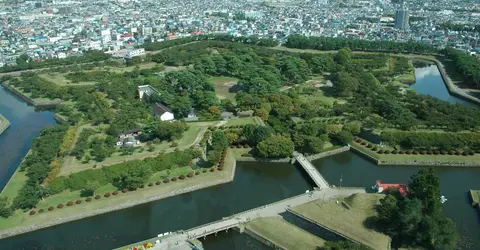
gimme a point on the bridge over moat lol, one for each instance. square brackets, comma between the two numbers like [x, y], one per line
[182, 239]
[311, 171]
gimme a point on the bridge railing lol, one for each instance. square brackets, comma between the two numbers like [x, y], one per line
[212, 231]
[300, 158]
[268, 205]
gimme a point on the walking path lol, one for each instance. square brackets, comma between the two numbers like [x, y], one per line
[311, 170]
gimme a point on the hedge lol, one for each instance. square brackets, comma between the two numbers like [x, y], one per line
[32, 212]
[78, 202]
[41, 210]
[115, 192]
[51, 208]
[432, 140]
[103, 176]
[106, 195]
[97, 197]
[70, 203]
[60, 205]
[88, 199]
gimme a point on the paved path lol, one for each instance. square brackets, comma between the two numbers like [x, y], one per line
[312, 171]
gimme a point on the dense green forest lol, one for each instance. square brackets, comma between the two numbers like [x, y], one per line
[330, 43]
[24, 62]
[253, 40]
[467, 65]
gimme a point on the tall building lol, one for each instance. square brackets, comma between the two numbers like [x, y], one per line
[402, 19]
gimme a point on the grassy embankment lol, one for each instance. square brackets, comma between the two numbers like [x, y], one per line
[224, 87]
[189, 138]
[283, 234]
[244, 121]
[350, 219]
[22, 219]
[412, 157]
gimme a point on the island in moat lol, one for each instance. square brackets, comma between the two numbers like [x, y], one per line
[4, 124]
[175, 121]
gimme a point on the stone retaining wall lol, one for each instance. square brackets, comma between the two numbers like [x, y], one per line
[429, 163]
[259, 159]
[29, 100]
[260, 238]
[4, 124]
[328, 153]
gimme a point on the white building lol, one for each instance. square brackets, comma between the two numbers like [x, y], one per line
[161, 111]
[136, 52]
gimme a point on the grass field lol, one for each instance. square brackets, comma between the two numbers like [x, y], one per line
[348, 222]
[245, 121]
[224, 87]
[284, 234]
[22, 219]
[189, 138]
[59, 79]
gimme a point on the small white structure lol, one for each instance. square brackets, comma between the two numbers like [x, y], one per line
[161, 111]
[135, 52]
[443, 199]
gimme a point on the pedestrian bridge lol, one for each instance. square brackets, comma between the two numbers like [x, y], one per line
[182, 240]
[312, 171]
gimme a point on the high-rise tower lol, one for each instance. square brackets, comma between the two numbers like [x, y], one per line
[402, 19]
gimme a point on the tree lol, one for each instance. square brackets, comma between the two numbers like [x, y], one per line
[342, 245]
[344, 85]
[214, 156]
[90, 188]
[256, 133]
[344, 137]
[275, 147]
[353, 128]
[388, 212]
[425, 186]
[219, 140]
[136, 175]
[315, 145]
[343, 56]
[5, 209]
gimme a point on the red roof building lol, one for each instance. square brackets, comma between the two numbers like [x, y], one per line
[384, 187]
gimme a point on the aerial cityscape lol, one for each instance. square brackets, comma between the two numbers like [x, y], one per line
[260, 124]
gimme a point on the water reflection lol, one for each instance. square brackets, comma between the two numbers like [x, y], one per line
[430, 82]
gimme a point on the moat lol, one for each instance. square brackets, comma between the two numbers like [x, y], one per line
[254, 185]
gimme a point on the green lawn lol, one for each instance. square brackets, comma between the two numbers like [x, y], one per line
[14, 185]
[224, 87]
[284, 234]
[349, 222]
[244, 121]
[59, 79]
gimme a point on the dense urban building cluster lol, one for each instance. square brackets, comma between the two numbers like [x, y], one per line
[46, 29]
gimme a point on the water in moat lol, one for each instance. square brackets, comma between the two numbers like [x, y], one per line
[430, 82]
[254, 185]
[25, 124]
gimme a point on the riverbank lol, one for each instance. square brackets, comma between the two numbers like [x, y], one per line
[4, 124]
[416, 160]
[28, 223]
[37, 104]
